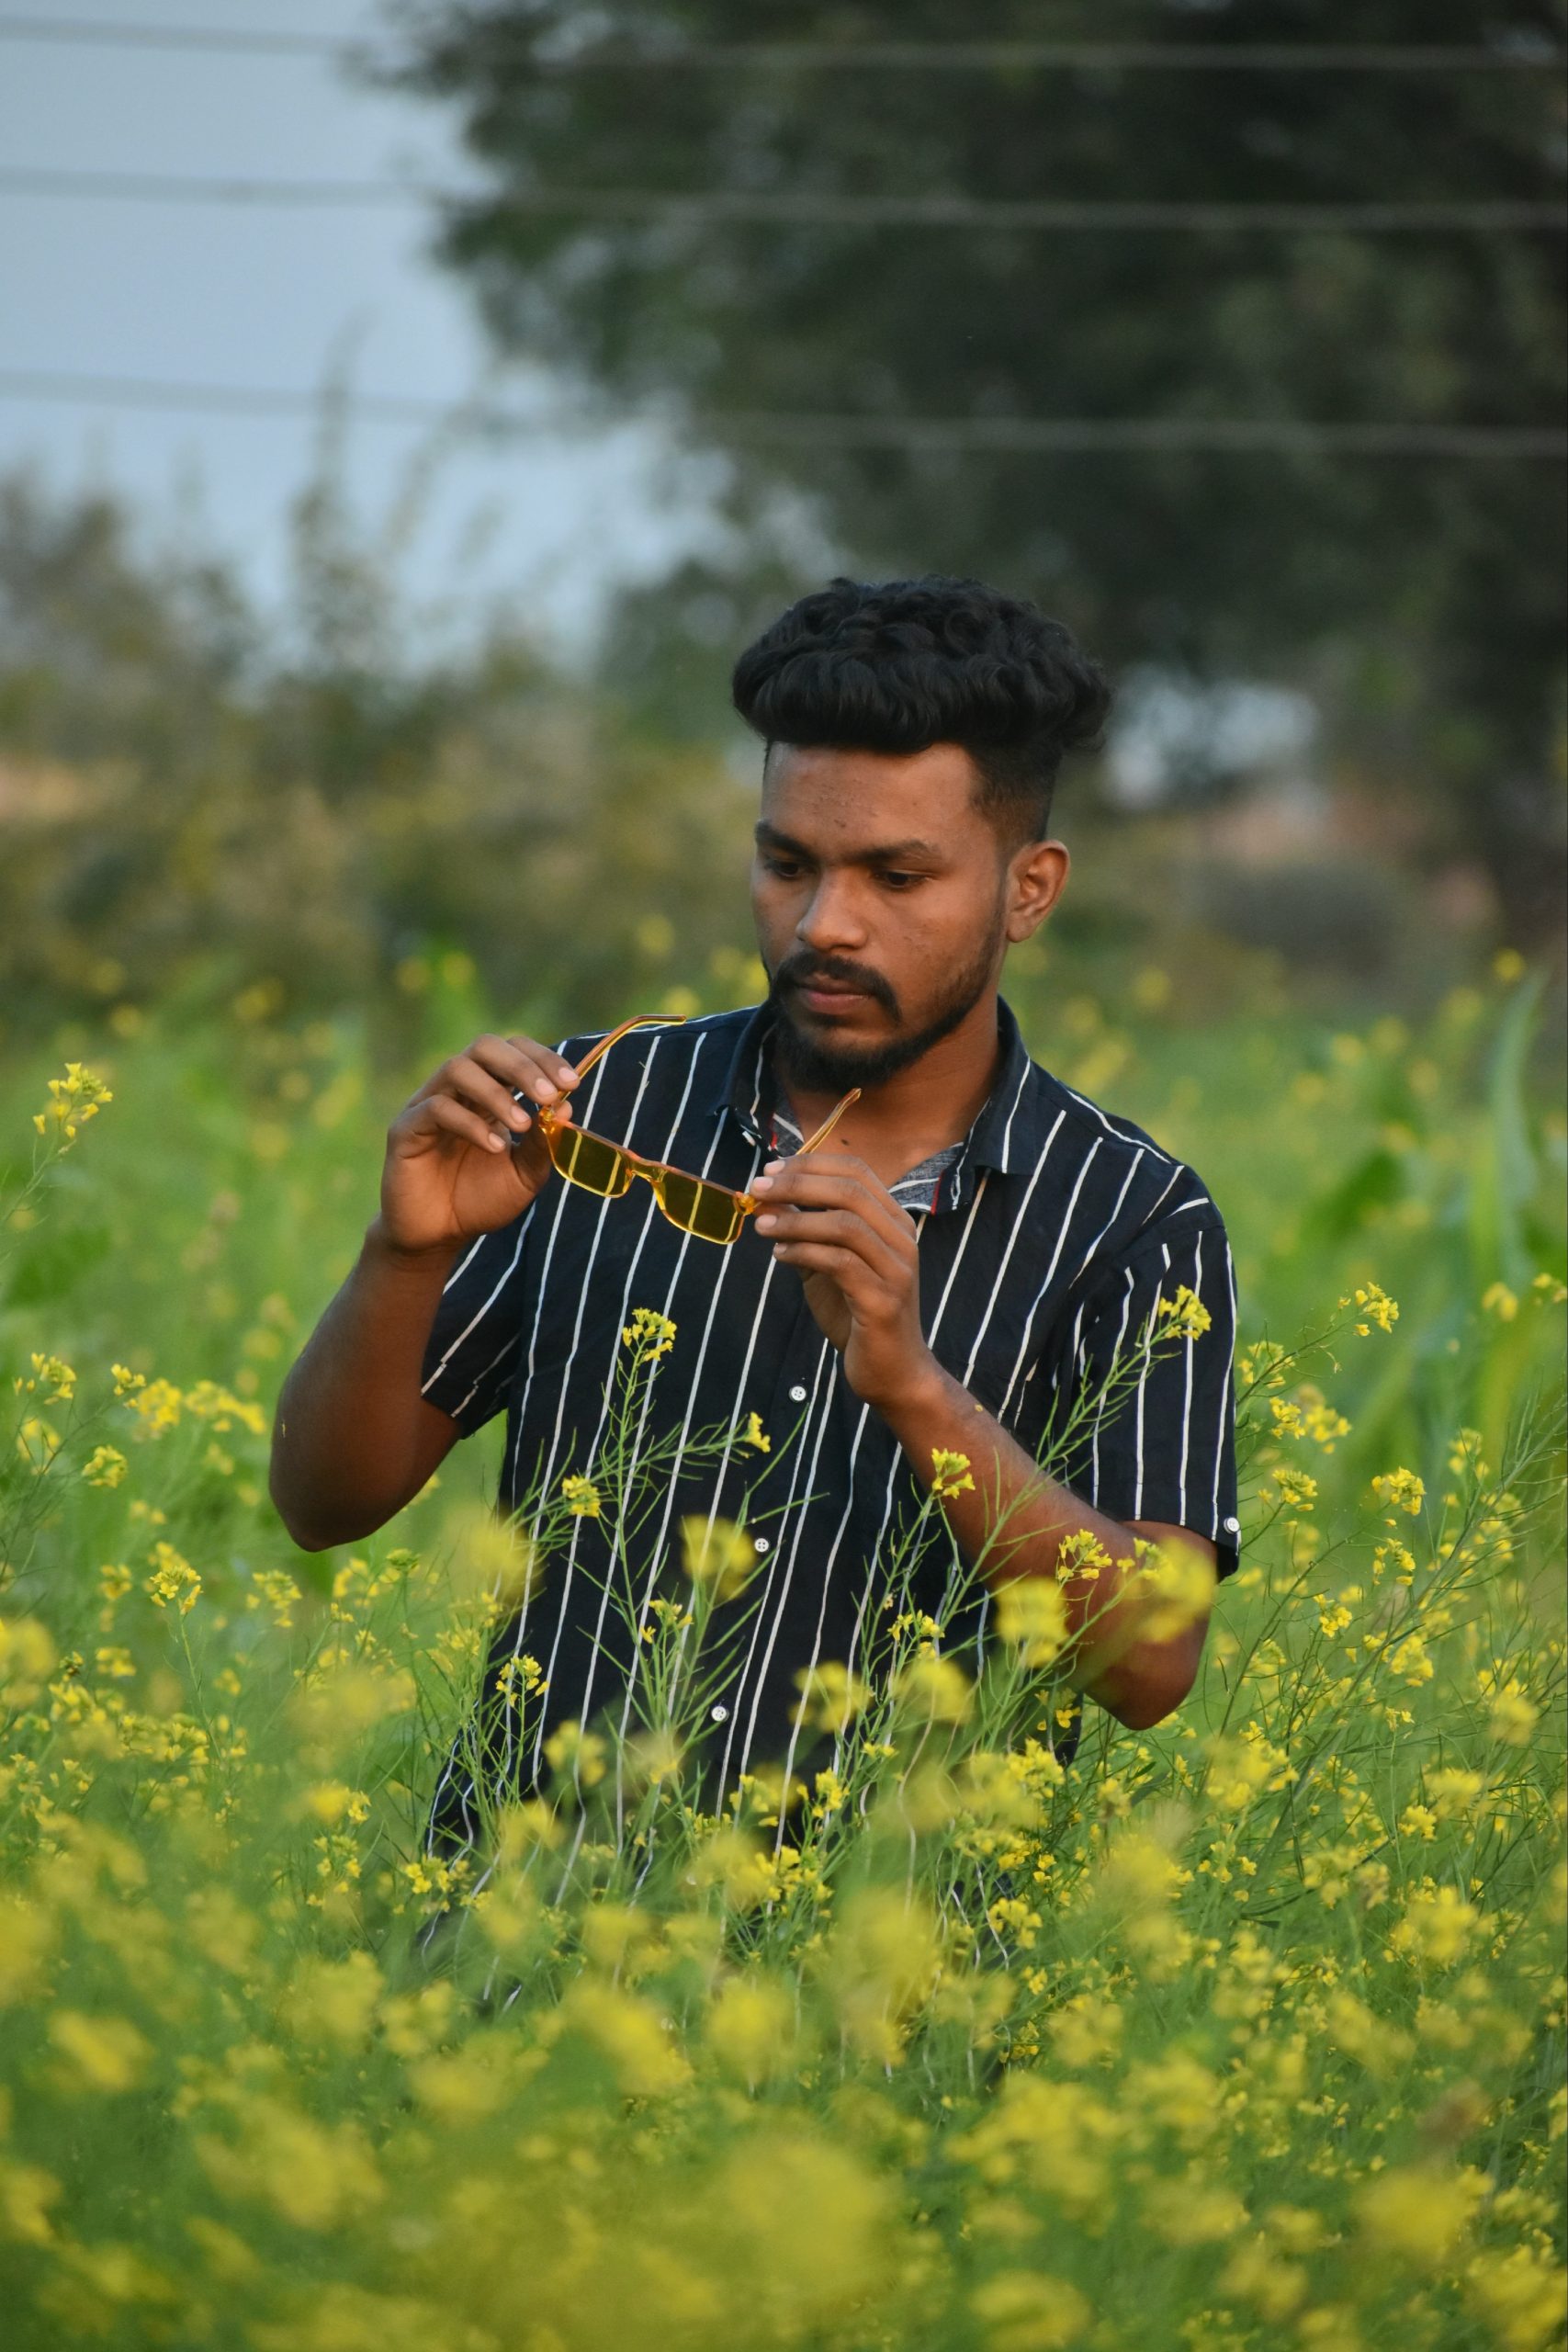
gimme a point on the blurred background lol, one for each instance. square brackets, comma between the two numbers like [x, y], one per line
[406, 414]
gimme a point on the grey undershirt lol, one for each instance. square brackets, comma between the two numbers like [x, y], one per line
[914, 1190]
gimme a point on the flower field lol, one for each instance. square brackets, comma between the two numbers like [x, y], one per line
[1241, 2033]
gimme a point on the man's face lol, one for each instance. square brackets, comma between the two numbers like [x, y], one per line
[884, 898]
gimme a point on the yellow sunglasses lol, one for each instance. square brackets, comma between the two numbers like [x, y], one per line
[708, 1212]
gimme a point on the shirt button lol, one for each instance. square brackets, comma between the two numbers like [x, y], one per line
[798, 1394]
[1233, 1526]
[761, 1543]
[718, 1713]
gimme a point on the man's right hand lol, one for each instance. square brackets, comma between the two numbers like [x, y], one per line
[463, 1157]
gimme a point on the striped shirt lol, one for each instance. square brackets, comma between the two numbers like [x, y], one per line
[1047, 1241]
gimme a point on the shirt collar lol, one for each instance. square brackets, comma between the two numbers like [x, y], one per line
[1007, 1136]
[748, 1090]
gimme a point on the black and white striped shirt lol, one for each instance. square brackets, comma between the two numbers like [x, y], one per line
[1046, 1242]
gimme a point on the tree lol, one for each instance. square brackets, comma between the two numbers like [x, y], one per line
[1426, 587]
[187, 803]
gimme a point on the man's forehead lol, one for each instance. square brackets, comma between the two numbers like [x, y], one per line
[860, 803]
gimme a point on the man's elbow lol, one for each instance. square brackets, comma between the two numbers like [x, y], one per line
[1148, 1701]
[310, 1525]
[303, 1528]
[1151, 1680]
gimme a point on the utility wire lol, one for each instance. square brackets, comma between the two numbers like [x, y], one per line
[251, 40]
[1160, 57]
[972, 435]
[795, 209]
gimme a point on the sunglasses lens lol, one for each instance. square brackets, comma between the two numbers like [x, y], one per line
[707, 1211]
[588, 1160]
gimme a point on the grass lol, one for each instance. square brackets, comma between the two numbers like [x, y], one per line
[1243, 2032]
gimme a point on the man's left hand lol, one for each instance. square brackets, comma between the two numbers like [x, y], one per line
[855, 1249]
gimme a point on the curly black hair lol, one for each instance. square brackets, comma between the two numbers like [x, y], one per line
[898, 665]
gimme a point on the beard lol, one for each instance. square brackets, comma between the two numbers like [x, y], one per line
[816, 1064]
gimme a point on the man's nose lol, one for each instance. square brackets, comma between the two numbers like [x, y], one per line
[834, 918]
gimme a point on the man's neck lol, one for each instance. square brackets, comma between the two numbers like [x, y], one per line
[918, 1110]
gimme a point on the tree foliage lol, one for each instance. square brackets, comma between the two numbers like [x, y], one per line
[1419, 596]
[184, 794]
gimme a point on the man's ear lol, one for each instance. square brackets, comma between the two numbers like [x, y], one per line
[1037, 879]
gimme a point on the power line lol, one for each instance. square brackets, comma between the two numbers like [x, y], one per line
[1303, 57]
[797, 209]
[253, 40]
[1001, 436]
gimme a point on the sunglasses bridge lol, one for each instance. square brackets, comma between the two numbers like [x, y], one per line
[708, 1212]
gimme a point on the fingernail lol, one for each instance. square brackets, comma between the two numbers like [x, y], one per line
[495, 1143]
[766, 1223]
[569, 1076]
[543, 1088]
[762, 1183]
[772, 1167]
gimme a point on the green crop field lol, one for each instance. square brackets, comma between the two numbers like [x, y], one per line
[1244, 2032]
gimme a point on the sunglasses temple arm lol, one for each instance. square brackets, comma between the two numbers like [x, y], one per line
[643, 1020]
[826, 1129]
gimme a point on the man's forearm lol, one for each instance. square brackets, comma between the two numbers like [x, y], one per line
[353, 1438]
[1013, 1521]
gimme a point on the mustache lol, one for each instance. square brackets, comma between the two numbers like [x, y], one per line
[804, 970]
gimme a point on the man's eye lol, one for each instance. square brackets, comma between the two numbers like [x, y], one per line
[893, 881]
[786, 868]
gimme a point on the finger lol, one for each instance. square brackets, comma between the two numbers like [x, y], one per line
[820, 1189]
[440, 1115]
[472, 1083]
[543, 1075]
[837, 1228]
[510, 1063]
[833, 1163]
[858, 1281]
[466, 1077]
[826, 1168]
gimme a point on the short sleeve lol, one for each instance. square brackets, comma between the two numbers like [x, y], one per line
[1153, 1431]
[472, 1352]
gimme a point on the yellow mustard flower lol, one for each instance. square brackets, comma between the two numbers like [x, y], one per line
[105, 1466]
[933, 1690]
[950, 1473]
[276, 1589]
[1184, 1316]
[1514, 1716]
[1418, 2212]
[27, 1658]
[1400, 1491]
[1437, 1926]
[580, 1496]
[74, 1100]
[52, 1374]
[718, 1555]
[830, 1696]
[1032, 1617]
[174, 1583]
[577, 1755]
[104, 2054]
[1374, 1306]
[1080, 1557]
[157, 1405]
[648, 1335]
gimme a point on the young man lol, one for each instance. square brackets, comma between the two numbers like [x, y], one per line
[969, 1252]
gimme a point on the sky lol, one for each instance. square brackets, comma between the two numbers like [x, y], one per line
[224, 294]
